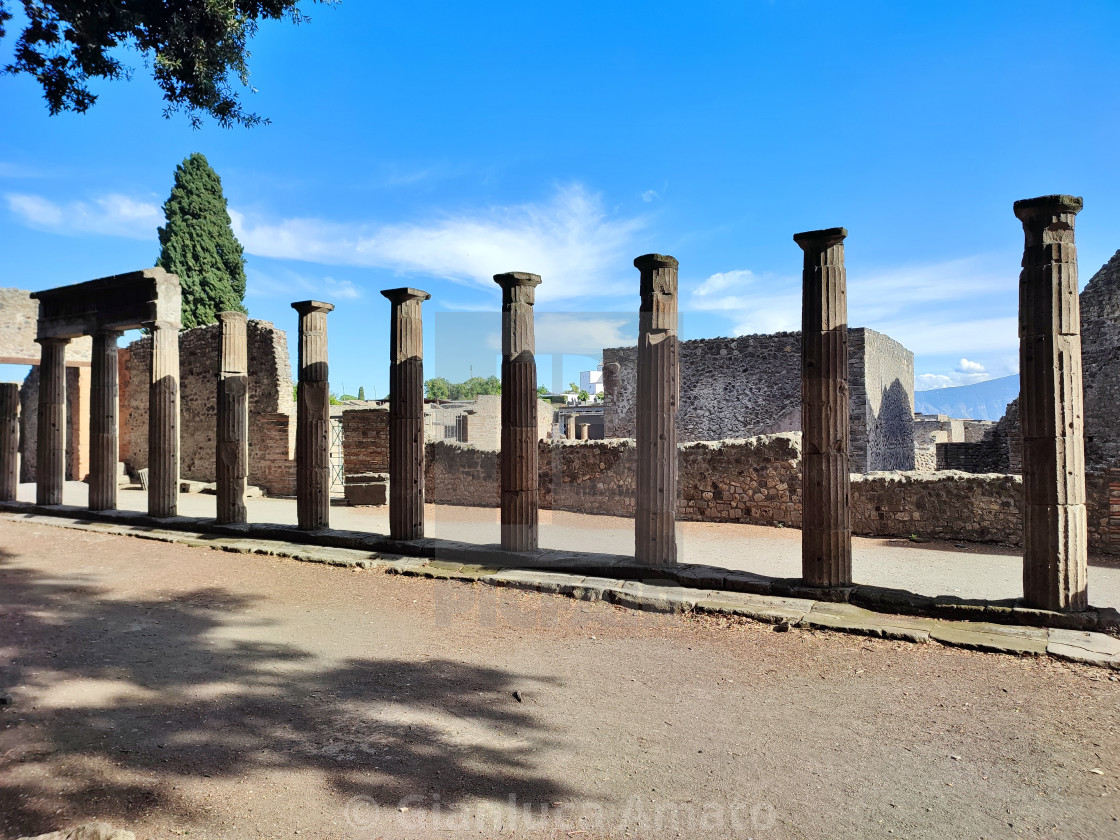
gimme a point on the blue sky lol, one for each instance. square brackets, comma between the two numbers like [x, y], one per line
[434, 144]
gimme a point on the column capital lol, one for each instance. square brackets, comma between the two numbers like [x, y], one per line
[53, 340]
[820, 239]
[306, 307]
[232, 316]
[106, 332]
[518, 287]
[162, 325]
[405, 294]
[1047, 206]
[649, 262]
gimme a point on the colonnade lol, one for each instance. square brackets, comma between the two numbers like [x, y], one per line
[1054, 530]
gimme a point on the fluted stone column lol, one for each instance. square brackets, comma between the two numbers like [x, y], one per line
[163, 420]
[406, 413]
[1050, 407]
[519, 490]
[50, 468]
[570, 427]
[104, 402]
[232, 442]
[826, 531]
[655, 542]
[313, 418]
[9, 441]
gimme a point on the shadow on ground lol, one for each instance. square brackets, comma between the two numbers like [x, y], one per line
[115, 702]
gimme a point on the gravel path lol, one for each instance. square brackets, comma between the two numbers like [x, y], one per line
[179, 691]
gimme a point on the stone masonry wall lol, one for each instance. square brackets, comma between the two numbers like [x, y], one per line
[1100, 355]
[365, 440]
[271, 408]
[758, 481]
[19, 316]
[77, 422]
[751, 385]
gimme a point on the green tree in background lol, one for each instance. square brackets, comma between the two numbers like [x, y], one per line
[361, 392]
[198, 244]
[477, 386]
[194, 49]
[543, 391]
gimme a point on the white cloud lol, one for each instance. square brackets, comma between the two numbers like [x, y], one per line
[757, 303]
[291, 284]
[583, 335]
[110, 215]
[649, 195]
[967, 366]
[569, 241]
[930, 381]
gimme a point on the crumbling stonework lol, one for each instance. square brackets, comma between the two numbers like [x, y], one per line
[19, 313]
[751, 385]
[478, 422]
[271, 441]
[1100, 355]
[365, 441]
[758, 481]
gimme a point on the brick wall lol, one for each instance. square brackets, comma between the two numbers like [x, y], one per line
[271, 439]
[365, 440]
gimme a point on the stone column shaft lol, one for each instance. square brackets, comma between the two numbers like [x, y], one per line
[104, 402]
[406, 413]
[313, 418]
[655, 538]
[163, 420]
[519, 458]
[51, 459]
[570, 427]
[232, 441]
[826, 531]
[1051, 407]
[9, 441]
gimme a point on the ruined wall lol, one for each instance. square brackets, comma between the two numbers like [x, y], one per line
[741, 387]
[1100, 355]
[881, 376]
[77, 424]
[365, 440]
[271, 408]
[482, 426]
[758, 481]
[19, 315]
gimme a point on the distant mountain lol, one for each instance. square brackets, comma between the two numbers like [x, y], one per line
[982, 401]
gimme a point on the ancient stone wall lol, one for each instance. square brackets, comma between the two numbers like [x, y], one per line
[19, 315]
[365, 440]
[478, 422]
[751, 385]
[77, 424]
[758, 481]
[270, 399]
[1100, 355]
[881, 376]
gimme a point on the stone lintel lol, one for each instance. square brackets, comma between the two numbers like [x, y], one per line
[824, 238]
[119, 302]
[403, 294]
[307, 307]
[1047, 205]
[652, 261]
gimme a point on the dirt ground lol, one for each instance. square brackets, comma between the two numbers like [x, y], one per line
[185, 692]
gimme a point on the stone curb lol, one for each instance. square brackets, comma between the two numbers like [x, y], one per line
[660, 595]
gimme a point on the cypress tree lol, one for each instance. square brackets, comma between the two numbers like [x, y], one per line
[198, 244]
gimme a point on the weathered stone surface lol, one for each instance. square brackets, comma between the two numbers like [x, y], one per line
[163, 420]
[51, 457]
[103, 435]
[232, 439]
[1055, 539]
[406, 413]
[657, 399]
[519, 471]
[826, 533]
[751, 385]
[9, 440]
[997, 638]
[373, 493]
[313, 420]
[1085, 647]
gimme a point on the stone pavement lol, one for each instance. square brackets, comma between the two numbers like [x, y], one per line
[994, 627]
